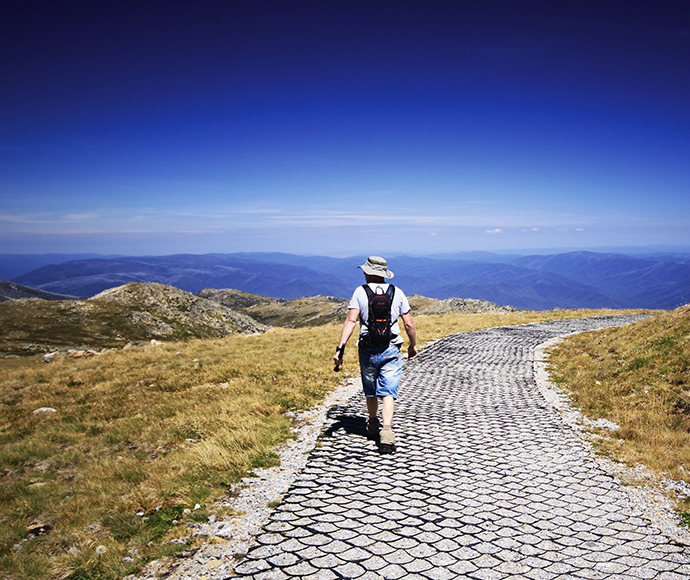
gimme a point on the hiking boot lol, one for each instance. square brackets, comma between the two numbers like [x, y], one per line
[373, 428]
[387, 442]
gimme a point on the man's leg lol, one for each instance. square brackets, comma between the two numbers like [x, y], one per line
[387, 387]
[373, 406]
[387, 437]
[387, 412]
[370, 374]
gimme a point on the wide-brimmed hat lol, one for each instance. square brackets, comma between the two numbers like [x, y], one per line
[376, 266]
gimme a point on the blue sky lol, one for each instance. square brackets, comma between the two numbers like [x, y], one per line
[343, 128]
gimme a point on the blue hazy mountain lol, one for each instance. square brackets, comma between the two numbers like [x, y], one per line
[188, 272]
[658, 282]
[568, 280]
[13, 265]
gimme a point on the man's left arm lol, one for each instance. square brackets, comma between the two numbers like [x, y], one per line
[411, 335]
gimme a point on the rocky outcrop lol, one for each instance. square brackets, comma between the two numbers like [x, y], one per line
[131, 313]
[423, 305]
[137, 312]
[168, 312]
[236, 298]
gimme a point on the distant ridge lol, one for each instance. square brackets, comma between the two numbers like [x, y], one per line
[187, 272]
[543, 282]
[14, 265]
[12, 291]
[660, 282]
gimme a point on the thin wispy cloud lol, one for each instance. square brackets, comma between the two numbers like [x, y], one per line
[80, 216]
[21, 219]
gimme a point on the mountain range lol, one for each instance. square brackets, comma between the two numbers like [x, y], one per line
[569, 280]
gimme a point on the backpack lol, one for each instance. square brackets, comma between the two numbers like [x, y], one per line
[379, 324]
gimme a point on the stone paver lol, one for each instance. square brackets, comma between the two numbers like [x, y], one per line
[488, 482]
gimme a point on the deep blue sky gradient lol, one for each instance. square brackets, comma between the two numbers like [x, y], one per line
[340, 128]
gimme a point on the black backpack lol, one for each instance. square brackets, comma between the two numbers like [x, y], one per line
[379, 324]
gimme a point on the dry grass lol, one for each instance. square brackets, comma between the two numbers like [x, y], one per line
[136, 430]
[155, 431]
[637, 376]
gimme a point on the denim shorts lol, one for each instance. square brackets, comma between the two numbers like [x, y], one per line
[381, 370]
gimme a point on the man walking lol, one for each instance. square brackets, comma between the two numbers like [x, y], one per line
[379, 344]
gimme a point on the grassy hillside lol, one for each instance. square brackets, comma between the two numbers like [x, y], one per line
[154, 432]
[133, 312]
[638, 377]
[295, 313]
[317, 310]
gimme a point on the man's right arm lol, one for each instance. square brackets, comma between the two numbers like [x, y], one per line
[346, 333]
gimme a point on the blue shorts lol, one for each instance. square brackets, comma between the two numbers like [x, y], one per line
[381, 370]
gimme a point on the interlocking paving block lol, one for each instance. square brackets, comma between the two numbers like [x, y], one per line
[488, 482]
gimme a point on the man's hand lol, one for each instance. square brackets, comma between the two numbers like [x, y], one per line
[348, 327]
[411, 352]
[338, 357]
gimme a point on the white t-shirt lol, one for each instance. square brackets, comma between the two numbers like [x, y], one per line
[400, 306]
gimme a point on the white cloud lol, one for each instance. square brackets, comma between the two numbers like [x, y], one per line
[19, 219]
[80, 216]
[496, 231]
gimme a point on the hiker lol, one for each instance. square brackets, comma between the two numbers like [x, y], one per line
[379, 345]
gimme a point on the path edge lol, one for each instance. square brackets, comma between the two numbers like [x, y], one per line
[644, 490]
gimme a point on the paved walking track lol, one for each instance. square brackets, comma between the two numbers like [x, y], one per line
[488, 482]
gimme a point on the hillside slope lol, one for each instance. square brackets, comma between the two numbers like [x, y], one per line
[295, 313]
[133, 312]
[12, 291]
[316, 310]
